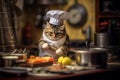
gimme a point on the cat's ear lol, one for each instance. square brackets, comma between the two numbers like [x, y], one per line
[48, 25]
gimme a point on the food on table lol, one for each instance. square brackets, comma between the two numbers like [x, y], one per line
[60, 59]
[57, 68]
[37, 59]
[64, 60]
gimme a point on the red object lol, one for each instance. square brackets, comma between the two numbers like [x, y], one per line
[51, 59]
[104, 23]
[27, 34]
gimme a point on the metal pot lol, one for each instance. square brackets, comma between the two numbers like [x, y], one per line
[1, 60]
[105, 40]
[95, 57]
[7, 60]
[99, 57]
[82, 57]
[102, 39]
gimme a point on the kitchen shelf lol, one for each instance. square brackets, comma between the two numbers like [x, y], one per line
[108, 18]
[107, 10]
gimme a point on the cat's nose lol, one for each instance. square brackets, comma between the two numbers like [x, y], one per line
[54, 36]
[55, 32]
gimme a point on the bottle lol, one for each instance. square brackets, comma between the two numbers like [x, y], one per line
[88, 37]
[27, 34]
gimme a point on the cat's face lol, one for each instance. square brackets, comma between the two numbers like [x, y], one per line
[54, 32]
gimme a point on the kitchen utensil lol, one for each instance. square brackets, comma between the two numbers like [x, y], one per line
[99, 57]
[78, 14]
[9, 60]
[94, 57]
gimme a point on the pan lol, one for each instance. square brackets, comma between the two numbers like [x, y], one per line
[78, 14]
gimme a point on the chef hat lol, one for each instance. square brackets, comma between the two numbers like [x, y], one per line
[57, 16]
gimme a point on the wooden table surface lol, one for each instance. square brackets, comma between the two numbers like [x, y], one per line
[94, 74]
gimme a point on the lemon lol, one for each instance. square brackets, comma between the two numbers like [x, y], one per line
[66, 61]
[60, 59]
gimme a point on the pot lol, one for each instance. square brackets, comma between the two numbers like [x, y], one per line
[94, 57]
[9, 61]
[105, 40]
[99, 57]
[1, 60]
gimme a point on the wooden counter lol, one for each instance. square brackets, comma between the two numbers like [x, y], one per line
[96, 74]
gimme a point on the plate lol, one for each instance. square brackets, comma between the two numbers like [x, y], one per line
[13, 71]
[56, 68]
[79, 68]
[41, 74]
[41, 64]
[40, 71]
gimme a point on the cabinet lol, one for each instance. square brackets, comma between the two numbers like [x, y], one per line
[108, 21]
[108, 18]
[107, 15]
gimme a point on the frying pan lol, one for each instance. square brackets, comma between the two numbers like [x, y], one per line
[82, 12]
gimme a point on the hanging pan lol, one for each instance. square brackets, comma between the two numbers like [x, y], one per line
[78, 15]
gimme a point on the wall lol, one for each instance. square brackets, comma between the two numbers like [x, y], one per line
[72, 32]
[90, 6]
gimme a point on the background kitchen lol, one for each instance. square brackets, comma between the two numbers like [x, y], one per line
[93, 15]
[33, 9]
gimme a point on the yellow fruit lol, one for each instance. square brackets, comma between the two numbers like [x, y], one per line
[60, 59]
[66, 61]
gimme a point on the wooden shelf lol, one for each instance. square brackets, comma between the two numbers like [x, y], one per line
[112, 16]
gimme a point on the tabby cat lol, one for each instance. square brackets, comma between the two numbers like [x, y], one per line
[54, 41]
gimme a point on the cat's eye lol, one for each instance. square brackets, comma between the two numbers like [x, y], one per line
[51, 32]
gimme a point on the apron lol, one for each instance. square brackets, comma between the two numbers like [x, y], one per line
[57, 44]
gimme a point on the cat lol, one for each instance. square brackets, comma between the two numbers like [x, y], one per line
[54, 41]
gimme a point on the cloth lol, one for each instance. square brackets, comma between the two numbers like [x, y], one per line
[8, 25]
[56, 44]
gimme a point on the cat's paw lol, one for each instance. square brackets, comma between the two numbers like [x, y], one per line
[59, 51]
[45, 46]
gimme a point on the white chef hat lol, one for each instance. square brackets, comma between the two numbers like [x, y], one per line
[57, 16]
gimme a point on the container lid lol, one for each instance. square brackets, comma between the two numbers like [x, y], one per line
[10, 57]
[82, 51]
[90, 50]
[16, 54]
[98, 50]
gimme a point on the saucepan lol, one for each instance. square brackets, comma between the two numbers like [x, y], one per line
[9, 60]
[94, 57]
